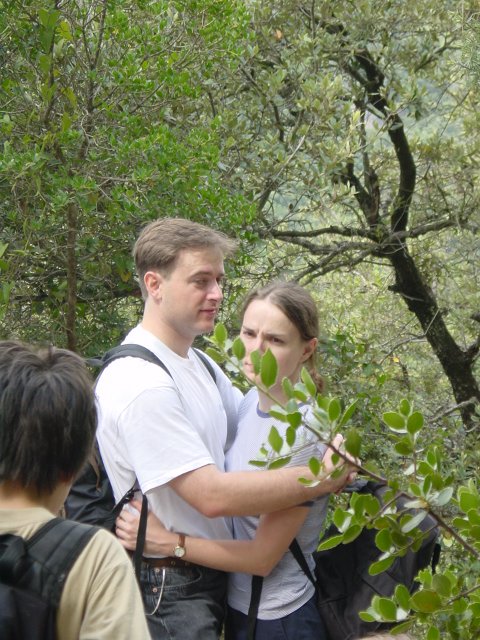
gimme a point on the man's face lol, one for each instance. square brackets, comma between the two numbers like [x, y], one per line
[191, 294]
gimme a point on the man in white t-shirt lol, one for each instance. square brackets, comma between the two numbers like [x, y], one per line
[170, 431]
[47, 427]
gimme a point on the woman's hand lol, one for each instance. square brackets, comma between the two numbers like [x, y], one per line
[348, 464]
[158, 540]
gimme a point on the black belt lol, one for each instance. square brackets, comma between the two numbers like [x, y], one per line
[168, 562]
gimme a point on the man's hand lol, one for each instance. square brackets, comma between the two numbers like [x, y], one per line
[158, 540]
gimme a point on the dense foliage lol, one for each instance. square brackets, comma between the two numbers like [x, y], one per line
[338, 140]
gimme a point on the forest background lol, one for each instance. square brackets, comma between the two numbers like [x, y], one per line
[338, 141]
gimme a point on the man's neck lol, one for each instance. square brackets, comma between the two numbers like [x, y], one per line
[177, 343]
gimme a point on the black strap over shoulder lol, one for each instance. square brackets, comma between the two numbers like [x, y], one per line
[137, 351]
[207, 364]
[124, 351]
[54, 548]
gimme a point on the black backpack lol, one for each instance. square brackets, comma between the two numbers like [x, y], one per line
[91, 498]
[342, 582]
[32, 576]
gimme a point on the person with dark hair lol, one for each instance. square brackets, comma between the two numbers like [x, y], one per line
[170, 432]
[281, 317]
[48, 421]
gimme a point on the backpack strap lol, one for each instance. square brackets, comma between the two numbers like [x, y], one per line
[207, 364]
[124, 351]
[137, 351]
[255, 595]
[56, 546]
[297, 553]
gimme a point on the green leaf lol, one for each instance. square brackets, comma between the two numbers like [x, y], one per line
[314, 466]
[279, 462]
[409, 523]
[214, 354]
[402, 596]
[330, 543]
[467, 500]
[387, 609]
[48, 19]
[278, 413]
[433, 634]
[381, 565]
[460, 606]
[268, 369]
[352, 533]
[383, 540]
[258, 463]
[442, 585]
[238, 349]
[395, 421]
[220, 334]
[426, 601]
[295, 419]
[443, 497]
[308, 382]
[341, 519]
[348, 413]
[353, 443]
[404, 447]
[334, 409]
[275, 440]
[404, 407]
[414, 422]
[256, 360]
[290, 436]
[288, 388]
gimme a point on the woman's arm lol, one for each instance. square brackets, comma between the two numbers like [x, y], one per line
[258, 556]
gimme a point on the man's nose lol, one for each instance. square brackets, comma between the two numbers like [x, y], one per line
[216, 292]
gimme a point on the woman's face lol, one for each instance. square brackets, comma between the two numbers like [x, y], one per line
[264, 327]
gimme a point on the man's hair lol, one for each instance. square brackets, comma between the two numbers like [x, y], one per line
[298, 306]
[47, 416]
[160, 243]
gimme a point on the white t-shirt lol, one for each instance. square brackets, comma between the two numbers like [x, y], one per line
[156, 427]
[287, 588]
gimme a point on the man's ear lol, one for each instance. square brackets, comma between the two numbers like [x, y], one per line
[153, 281]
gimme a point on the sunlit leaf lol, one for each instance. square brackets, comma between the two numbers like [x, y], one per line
[414, 422]
[395, 421]
[334, 409]
[268, 369]
[220, 334]
[238, 349]
[308, 382]
[275, 440]
[426, 601]
[353, 443]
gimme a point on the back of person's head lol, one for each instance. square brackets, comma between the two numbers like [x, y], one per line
[160, 243]
[299, 307]
[47, 416]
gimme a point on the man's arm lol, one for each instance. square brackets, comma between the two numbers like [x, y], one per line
[215, 493]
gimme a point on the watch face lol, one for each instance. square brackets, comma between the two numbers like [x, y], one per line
[179, 552]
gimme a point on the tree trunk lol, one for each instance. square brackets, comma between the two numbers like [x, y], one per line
[419, 298]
